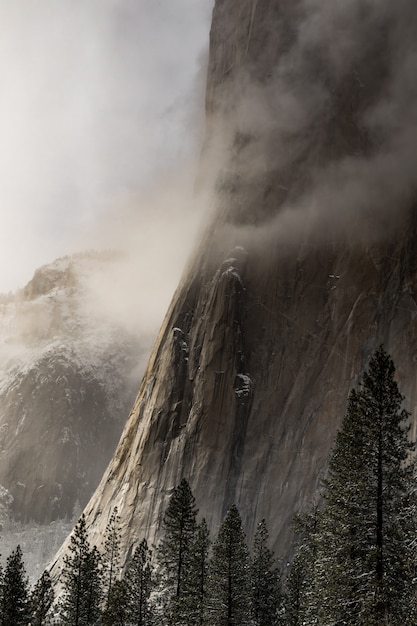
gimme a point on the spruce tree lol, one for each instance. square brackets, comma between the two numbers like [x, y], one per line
[266, 581]
[14, 608]
[175, 550]
[365, 568]
[138, 583]
[81, 578]
[229, 586]
[41, 599]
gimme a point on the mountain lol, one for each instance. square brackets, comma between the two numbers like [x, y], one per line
[307, 265]
[67, 379]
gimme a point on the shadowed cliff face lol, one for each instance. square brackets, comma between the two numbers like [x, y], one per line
[308, 265]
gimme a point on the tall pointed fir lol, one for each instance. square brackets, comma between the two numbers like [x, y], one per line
[41, 599]
[14, 608]
[366, 562]
[81, 578]
[229, 586]
[175, 551]
[265, 580]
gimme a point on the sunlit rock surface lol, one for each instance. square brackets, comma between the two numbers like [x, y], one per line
[284, 300]
[65, 383]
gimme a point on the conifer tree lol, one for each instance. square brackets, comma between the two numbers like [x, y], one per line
[93, 589]
[265, 579]
[295, 607]
[41, 599]
[365, 568]
[229, 587]
[175, 550]
[111, 552]
[197, 576]
[117, 606]
[138, 583]
[81, 579]
[14, 598]
[299, 601]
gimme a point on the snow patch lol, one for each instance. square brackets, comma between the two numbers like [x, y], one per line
[243, 385]
[179, 339]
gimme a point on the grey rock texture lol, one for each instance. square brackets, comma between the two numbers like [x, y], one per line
[308, 265]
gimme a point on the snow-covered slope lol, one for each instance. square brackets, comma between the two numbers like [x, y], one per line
[67, 380]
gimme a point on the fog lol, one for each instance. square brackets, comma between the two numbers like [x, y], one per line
[364, 177]
[102, 123]
[101, 119]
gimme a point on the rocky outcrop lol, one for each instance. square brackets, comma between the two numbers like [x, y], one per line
[65, 383]
[304, 271]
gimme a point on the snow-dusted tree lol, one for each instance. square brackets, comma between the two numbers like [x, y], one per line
[14, 609]
[265, 579]
[111, 552]
[138, 584]
[197, 576]
[81, 578]
[366, 559]
[41, 599]
[229, 586]
[299, 600]
[175, 550]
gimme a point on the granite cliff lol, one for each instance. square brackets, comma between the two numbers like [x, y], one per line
[308, 264]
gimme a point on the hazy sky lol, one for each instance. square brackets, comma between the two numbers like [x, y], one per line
[101, 109]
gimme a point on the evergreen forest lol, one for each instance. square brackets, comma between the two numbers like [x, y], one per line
[353, 560]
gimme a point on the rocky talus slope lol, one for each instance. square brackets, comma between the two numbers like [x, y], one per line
[308, 265]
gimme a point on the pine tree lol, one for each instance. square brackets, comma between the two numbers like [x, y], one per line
[117, 605]
[229, 587]
[81, 579]
[295, 608]
[175, 550]
[14, 601]
[299, 600]
[197, 576]
[41, 599]
[365, 569]
[111, 552]
[93, 587]
[138, 582]
[266, 581]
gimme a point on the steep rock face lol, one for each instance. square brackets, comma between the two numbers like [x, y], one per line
[284, 301]
[65, 384]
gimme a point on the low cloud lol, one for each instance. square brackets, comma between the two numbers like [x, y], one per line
[102, 100]
[332, 128]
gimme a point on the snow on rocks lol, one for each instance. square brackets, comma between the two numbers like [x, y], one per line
[243, 385]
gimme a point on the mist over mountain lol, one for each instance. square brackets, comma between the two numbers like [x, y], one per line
[67, 380]
[92, 121]
[308, 264]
